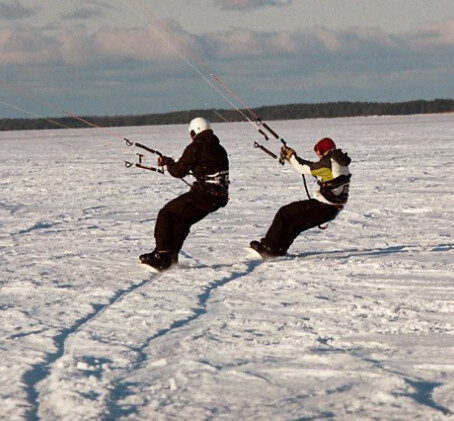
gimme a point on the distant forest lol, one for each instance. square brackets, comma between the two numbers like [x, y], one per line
[276, 112]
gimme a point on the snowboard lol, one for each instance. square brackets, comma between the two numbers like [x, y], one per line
[253, 254]
[148, 267]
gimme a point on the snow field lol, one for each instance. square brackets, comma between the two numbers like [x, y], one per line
[356, 323]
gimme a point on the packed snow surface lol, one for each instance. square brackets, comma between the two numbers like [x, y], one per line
[357, 322]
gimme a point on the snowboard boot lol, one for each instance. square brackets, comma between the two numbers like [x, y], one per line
[264, 250]
[157, 259]
[174, 258]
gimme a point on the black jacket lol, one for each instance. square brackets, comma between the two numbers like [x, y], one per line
[204, 158]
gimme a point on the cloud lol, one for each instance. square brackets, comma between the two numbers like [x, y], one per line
[14, 10]
[110, 44]
[432, 35]
[245, 43]
[82, 13]
[103, 4]
[27, 47]
[250, 4]
[320, 64]
[96, 9]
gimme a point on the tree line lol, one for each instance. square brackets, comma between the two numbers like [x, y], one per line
[274, 112]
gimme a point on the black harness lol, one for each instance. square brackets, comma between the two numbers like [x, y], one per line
[220, 178]
[327, 189]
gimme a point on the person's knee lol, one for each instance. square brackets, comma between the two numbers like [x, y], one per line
[283, 213]
[166, 213]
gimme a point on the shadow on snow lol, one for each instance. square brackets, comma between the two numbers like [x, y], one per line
[120, 390]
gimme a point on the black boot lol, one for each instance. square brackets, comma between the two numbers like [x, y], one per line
[263, 250]
[157, 259]
[174, 258]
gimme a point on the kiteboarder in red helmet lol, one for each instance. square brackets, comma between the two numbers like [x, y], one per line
[333, 179]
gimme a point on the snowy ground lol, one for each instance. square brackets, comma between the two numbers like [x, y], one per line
[357, 323]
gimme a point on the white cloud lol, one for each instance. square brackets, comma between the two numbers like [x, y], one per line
[96, 9]
[241, 43]
[82, 13]
[250, 4]
[269, 67]
[28, 45]
[433, 35]
[31, 46]
[15, 10]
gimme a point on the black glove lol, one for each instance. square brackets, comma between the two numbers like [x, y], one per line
[303, 161]
[164, 160]
[286, 153]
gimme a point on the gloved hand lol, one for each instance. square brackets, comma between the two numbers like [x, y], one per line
[286, 153]
[164, 160]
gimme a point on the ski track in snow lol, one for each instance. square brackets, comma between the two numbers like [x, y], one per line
[41, 371]
[356, 323]
[114, 410]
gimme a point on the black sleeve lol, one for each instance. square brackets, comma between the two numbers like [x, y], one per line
[302, 161]
[185, 164]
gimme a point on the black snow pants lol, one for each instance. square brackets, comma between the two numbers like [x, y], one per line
[177, 216]
[294, 218]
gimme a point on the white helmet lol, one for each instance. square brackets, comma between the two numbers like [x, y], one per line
[198, 125]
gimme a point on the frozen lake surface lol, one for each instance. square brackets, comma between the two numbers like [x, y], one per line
[356, 323]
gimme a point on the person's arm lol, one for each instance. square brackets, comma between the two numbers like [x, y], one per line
[184, 165]
[320, 169]
[301, 166]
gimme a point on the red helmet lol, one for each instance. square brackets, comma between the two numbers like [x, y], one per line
[324, 145]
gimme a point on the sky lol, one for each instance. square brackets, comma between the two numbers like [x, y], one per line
[101, 57]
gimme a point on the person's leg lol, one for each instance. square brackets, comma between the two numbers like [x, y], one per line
[176, 218]
[168, 218]
[173, 226]
[192, 215]
[163, 255]
[294, 218]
